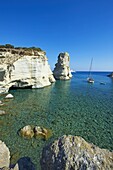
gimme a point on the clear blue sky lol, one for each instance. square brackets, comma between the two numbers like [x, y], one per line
[84, 28]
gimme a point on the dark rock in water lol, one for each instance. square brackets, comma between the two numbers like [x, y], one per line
[74, 153]
[25, 163]
[111, 75]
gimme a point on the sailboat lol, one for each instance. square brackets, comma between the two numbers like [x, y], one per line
[90, 79]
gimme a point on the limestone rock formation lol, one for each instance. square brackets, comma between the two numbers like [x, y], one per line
[4, 155]
[62, 69]
[74, 153]
[42, 132]
[27, 132]
[20, 68]
[9, 96]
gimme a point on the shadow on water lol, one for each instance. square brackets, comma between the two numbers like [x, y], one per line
[25, 163]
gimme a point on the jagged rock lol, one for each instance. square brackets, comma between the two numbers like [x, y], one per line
[27, 132]
[111, 75]
[62, 69]
[42, 132]
[4, 155]
[9, 96]
[74, 153]
[2, 112]
[37, 132]
[24, 68]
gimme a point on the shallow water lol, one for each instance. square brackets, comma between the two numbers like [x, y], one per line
[67, 107]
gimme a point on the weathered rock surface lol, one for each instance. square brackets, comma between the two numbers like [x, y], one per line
[24, 68]
[74, 153]
[9, 96]
[4, 155]
[111, 75]
[27, 132]
[23, 163]
[2, 112]
[62, 69]
[16, 167]
[42, 132]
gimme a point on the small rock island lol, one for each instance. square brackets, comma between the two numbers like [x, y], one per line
[62, 69]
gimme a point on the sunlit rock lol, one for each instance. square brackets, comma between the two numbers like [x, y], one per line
[73, 152]
[62, 69]
[2, 112]
[4, 155]
[23, 68]
[27, 132]
[9, 96]
[42, 132]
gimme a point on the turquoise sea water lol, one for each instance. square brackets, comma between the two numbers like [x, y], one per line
[67, 107]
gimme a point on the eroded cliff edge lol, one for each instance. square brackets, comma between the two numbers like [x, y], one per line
[24, 67]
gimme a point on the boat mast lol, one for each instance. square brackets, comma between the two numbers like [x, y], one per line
[90, 67]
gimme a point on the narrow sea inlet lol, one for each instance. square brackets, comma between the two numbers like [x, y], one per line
[67, 107]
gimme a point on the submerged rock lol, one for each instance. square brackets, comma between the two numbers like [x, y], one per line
[37, 132]
[27, 132]
[2, 112]
[42, 132]
[74, 153]
[4, 155]
[1, 103]
[62, 69]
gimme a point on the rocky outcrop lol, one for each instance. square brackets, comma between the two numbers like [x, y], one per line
[111, 75]
[74, 153]
[29, 132]
[62, 69]
[4, 155]
[23, 163]
[21, 68]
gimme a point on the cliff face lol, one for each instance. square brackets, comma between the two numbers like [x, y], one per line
[23, 68]
[62, 69]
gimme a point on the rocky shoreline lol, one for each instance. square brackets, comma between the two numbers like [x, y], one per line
[29, 68]
[66, 153]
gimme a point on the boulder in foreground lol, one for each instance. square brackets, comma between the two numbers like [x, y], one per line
[74, 153]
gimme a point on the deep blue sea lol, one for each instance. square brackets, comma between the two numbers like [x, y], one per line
[67, 107]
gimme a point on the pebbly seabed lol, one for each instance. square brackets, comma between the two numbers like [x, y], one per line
[71, 107]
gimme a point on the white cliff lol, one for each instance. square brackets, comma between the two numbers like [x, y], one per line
[62, 69]
[24, 68]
